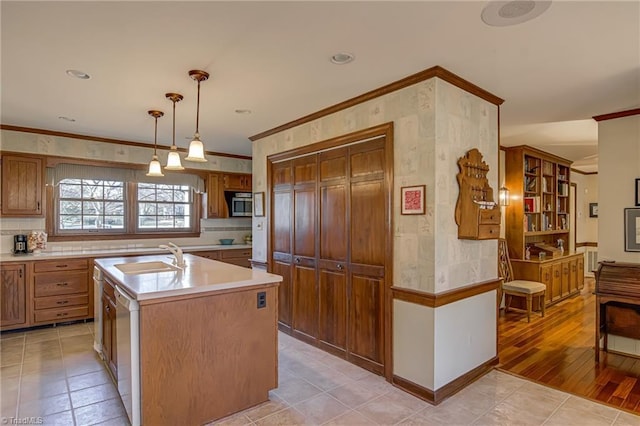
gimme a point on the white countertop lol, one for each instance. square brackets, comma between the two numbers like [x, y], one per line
[102, 252]
[200, 276]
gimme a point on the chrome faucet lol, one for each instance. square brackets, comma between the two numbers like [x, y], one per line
[177, 253]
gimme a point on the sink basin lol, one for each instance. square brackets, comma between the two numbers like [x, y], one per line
[146, 267]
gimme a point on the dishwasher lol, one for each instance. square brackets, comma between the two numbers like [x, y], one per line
[128, 347]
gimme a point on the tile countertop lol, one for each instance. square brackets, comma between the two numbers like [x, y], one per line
[199, 276]
[65, 254]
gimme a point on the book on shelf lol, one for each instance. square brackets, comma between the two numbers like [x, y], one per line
[530, 184]
[563, 188]
[531, 204]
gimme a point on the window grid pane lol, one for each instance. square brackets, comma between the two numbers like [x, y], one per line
[164, 207]
[87, 204]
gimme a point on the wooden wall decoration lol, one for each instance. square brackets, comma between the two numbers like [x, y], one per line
[477, 214]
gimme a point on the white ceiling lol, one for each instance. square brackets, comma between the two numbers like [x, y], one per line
[577, 60]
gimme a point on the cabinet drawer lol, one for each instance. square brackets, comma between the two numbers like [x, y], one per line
[489, 217]
[59, 284]
[488, 231]
[61, 314]
[237, 253]
[61, 301]
[240, 262]
[207, 254]
[60, 265]
[109, 290]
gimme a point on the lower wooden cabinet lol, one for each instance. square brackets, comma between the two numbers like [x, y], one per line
[238, 257]
[13, 296]
[109, 348]
[62, 291]
[563, 276]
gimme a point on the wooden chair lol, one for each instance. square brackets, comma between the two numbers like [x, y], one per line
[511, 287]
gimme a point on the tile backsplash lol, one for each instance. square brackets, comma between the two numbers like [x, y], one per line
[211, 230]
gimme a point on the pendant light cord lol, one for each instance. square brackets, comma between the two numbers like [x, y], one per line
[155, 138]
[198, 111]
[174, 124]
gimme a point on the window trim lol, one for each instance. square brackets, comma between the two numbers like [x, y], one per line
[130, 232]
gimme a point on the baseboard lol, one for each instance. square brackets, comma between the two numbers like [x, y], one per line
[439, 395]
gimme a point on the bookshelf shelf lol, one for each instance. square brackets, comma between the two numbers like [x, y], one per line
[541, 182]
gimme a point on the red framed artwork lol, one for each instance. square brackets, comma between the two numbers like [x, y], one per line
[412, 199]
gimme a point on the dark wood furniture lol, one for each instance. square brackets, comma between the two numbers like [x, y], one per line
[217, 184]
[539, 208]
[329, 213]
[109, 341]
[238, 257]
[13, 295]
[617, 302]
[477, 214]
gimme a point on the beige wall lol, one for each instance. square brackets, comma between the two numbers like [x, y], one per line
[618, 167]
[587, 192]
[211, 229]
[435, 123]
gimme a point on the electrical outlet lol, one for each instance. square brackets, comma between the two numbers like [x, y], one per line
[262, 299]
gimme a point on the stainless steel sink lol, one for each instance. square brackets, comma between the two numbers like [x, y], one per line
[146, 267]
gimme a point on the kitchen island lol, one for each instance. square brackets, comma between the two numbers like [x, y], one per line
[203, 338]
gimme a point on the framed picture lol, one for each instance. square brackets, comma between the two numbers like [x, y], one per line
[258, 204]
[412, 199]
[593, 209]
[638, 192]
[631, 229]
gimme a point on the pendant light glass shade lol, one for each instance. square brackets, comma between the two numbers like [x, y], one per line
[196, 148]
[173, 159]
[154, 165]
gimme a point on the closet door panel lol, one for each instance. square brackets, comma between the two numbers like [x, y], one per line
[368, 223]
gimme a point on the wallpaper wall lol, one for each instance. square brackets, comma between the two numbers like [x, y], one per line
[427, 253]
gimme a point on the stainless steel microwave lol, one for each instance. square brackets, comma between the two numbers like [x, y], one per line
[241, 204]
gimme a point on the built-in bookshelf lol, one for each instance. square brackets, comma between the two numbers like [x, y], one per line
[539, 209]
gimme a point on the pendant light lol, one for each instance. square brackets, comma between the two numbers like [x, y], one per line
[173, 160]
[196, 148]
[154, 164]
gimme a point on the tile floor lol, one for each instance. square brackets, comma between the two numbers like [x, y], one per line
[53, 374]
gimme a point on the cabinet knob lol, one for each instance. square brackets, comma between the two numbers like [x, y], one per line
[62, 284]
[62, 314]
[557, 274]
[297, 260]
[339, 266]
[61, 266]
[62, 302]
[107, 308]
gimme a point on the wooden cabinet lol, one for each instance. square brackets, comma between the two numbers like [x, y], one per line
[238, 257]
[216, 205]
[237, 182]
[22, 186]
[62, 291]
[13, 296]
[328, 242]
[538, 212]
[476, 214]
[109, 348]
[562, 276]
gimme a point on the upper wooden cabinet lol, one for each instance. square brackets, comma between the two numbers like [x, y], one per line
[237, 182]
[217, 184]
[216, 206]
[22, 185]
[539, 209]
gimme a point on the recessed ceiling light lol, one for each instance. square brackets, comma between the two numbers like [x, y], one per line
[78, 74]
[505, 13]
[67, 118]
[342, 58]
[243, 111]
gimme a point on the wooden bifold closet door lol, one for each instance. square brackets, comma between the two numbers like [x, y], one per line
[328, 238]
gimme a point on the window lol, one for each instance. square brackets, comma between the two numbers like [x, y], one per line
[86, 205]
[163, 206]
[108, 209]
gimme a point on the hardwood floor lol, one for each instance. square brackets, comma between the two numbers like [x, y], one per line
[558, 351]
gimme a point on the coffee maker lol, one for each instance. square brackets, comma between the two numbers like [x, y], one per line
[20, 244]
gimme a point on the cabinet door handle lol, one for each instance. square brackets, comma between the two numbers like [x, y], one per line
[62, 284]
[339, 266]
[62, 302]
[61, 266]
[107, 308]
[297, 260]
[38, 205]
[20, 273]
[557, 274]
[62, 314]
[546, 276]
